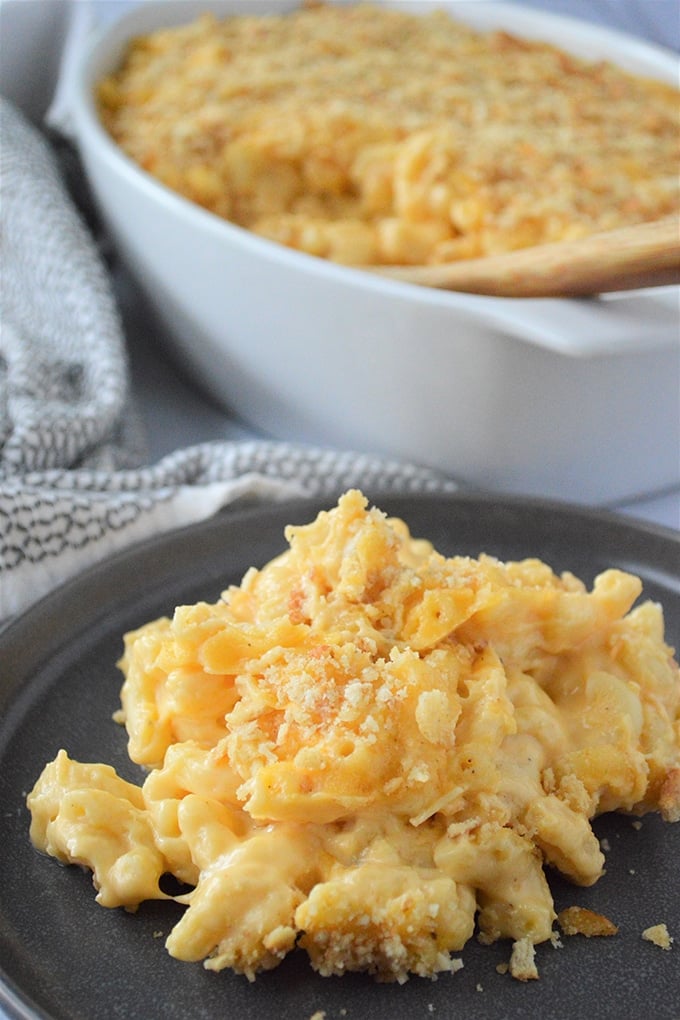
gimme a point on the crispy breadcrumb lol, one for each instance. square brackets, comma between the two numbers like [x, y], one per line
[581, 921]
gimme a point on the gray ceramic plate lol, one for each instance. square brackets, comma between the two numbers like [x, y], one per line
[63, 957]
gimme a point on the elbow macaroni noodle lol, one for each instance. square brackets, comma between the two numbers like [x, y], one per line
[366, 748]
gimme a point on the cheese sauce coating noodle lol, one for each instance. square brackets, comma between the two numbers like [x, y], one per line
[368, 748]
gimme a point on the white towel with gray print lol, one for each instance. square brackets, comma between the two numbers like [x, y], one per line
[74, 487]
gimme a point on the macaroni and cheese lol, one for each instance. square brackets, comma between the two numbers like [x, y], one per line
[367, 749]
[369, 135]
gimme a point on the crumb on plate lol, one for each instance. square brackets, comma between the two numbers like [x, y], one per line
[523, 960]
[581, 921]
[659, 935]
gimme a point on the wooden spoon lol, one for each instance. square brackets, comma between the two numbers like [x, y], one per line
[644, 255]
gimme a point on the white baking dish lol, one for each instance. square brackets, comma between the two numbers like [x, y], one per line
[578, 399]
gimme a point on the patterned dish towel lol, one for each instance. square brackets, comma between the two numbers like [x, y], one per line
[74, 487]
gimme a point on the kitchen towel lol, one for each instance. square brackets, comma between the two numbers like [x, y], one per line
[74, 484]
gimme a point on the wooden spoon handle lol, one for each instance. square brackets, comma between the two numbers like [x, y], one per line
[644, 255]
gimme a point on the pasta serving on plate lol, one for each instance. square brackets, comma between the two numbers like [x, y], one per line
[370, 750]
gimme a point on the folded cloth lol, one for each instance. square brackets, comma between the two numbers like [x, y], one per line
[74, 487]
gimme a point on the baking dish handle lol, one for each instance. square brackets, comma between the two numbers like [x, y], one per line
[614, 323]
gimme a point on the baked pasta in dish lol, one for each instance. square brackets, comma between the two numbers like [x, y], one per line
[366, 134]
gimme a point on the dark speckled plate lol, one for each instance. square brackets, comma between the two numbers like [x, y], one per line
[62, 956]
